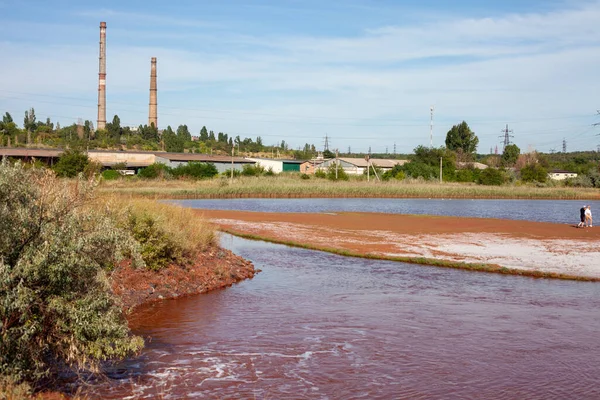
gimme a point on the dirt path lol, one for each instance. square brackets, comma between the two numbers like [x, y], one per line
[520, 245]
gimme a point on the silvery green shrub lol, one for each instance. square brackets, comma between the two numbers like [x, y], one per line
[56, 307]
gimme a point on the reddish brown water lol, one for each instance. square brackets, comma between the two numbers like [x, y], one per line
[318, 326]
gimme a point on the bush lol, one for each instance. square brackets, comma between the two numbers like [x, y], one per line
[336, 174]
[196, 170]
[467, 175]
[491, 177]
[252, 170]
[534, 173]
[319, 173]
[110, 174]
[156, 170]
[270, 172]
[304, 176]
[167, 234]
[56, 305]
[70, 164]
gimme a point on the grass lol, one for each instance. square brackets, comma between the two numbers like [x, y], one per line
[166, 233]
[491, 268]
[292, 186]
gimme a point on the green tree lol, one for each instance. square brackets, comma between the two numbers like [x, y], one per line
[461, 138]
[328, 154]
[56, 305]
[183, 133]
[114, 128]
[29, 121]
[203, 134]
[173, 142]
[70, 164]
[510, 155]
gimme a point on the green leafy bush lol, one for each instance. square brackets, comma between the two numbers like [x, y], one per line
[156, 170]
[197, 170]
[319, 173]
[252, 170]
[491, 177]
[110, 174]
[56, 306]
[304, 176]
[340, 175]
[534, 173]
[70, 164]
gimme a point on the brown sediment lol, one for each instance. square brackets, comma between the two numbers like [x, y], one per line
[212, 269]
[493, 245]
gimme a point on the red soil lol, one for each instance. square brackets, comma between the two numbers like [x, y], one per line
[402, 224]
[213, 269]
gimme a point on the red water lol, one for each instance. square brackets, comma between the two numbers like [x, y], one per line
[319, 326]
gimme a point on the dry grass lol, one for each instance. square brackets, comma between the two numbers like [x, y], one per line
[182, 225]
[291, 186]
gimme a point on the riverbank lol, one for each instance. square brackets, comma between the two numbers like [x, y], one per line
[292, 186]
[212, 269]
[512, 247]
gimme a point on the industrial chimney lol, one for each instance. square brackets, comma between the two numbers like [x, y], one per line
[102, 79]
[153, 110]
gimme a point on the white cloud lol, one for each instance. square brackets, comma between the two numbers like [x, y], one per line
[512, 68]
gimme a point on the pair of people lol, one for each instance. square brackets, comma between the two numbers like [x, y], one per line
[585, 217]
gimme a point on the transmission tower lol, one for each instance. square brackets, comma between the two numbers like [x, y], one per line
[369, 150]
[491, 150]
[431, 109]
[394, 148]
[564, 145]
[496, 150]
[386, 150]
[506, 137]
[326, 147]
[349, 150]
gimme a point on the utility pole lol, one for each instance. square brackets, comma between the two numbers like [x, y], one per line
[431, 109]
[232, 151]
[440, 169]
[336, 164]
[367, 157]
[506, 137]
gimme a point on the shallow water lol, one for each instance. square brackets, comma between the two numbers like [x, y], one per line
[314, 325]
[558, 211]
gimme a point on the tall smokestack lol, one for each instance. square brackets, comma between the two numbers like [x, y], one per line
[153, 110]
[102, 79]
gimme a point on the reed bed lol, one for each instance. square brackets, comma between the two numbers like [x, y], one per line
[292, 187]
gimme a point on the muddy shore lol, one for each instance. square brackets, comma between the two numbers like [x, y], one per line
[212, 269]
[494, 245]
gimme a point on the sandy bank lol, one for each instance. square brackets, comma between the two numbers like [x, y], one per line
[520, 245]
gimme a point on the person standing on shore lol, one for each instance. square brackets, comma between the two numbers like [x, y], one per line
[581, 223]
[588, 216]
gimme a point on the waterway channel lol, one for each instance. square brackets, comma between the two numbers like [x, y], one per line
[557, 211]
[314, 325]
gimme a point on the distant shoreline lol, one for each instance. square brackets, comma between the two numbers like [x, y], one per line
[535, 249]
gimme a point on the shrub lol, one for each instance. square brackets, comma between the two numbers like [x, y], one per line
[156, 170]
[304, 176]
[252, 170]
[227, 173]
[56, 306]
[336, 174]
[270, 172]
[70, 164]
[491, 177]
[197, 170]
[166, 233]
[319, 173]
[534, 173]
[110, 174]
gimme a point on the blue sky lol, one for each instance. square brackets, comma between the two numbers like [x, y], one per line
[364, 73]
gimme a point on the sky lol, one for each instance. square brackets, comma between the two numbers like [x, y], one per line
[363, 73]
